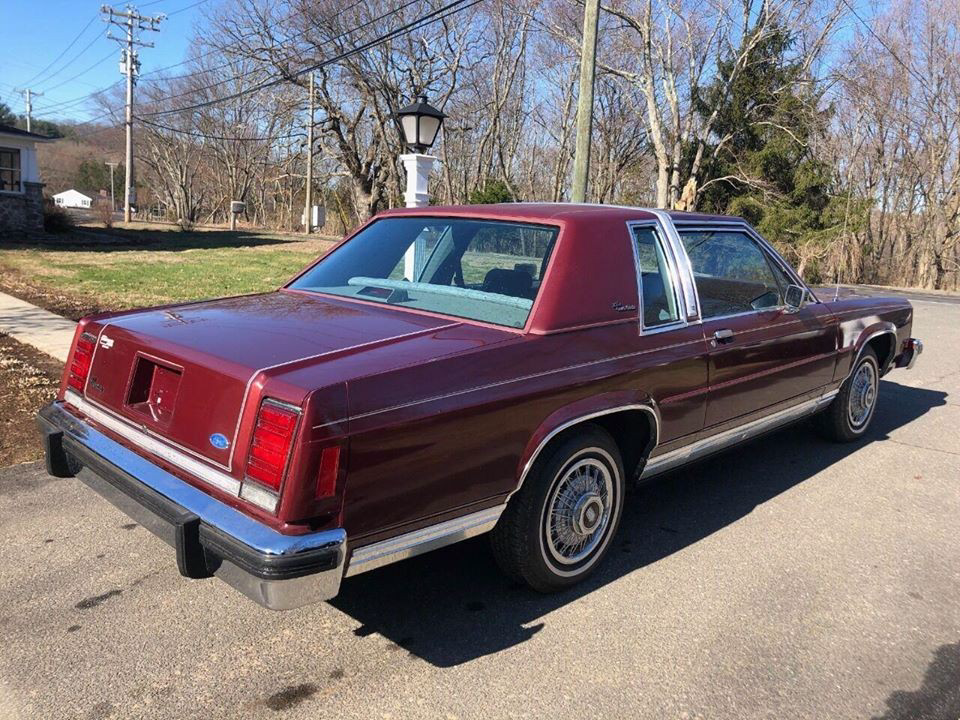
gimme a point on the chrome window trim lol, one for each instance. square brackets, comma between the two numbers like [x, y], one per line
[695, 223]
[672, 271]
[765, 249]
[690, 296]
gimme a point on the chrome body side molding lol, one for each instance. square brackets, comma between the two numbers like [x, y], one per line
[727, 438]
[417, 542]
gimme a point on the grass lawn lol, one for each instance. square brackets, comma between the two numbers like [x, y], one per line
[91, 270]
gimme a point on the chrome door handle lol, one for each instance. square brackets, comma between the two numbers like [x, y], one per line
[721, 335]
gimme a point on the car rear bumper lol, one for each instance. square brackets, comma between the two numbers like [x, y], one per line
[278, 571]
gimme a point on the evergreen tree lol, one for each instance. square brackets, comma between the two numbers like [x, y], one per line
[766, 129]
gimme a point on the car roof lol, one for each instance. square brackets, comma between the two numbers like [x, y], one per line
[545, 212]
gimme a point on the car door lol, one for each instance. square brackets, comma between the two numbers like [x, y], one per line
[672, 357]
[762, 353]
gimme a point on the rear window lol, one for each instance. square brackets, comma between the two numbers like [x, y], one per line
[476, 269]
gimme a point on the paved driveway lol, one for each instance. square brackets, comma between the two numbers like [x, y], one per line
[789, 579]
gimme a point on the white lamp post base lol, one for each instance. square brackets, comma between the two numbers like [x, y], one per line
[418, 173]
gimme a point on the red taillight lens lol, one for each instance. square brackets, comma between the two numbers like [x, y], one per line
[329, 468]
[271, 443]
[80, 362]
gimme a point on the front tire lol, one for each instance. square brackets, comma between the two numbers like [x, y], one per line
[849, 415]
[556, 530]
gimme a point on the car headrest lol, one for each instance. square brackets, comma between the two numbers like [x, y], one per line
[515, 283]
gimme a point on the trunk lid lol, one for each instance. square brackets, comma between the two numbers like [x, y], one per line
[184, 373]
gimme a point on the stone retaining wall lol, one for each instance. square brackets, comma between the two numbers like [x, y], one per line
[22, 212]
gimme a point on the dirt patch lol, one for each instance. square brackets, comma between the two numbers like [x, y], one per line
[70, 306]
[28, 380]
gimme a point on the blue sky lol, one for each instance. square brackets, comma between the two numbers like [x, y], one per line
[34, 32]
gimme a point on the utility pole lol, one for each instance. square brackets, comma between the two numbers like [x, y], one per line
[113, 201]
[588, 59]
[28, 94]
[130, 21]
[308, 209]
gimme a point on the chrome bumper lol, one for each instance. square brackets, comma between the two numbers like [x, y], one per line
[912, 349]
[278, 571]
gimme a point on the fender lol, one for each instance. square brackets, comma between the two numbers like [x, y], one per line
[582, 411]
[865, 335]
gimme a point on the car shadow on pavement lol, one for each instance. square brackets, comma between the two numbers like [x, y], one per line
[453, 605]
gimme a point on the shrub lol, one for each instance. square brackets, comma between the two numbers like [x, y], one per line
[104, 213]
[56, 219]
[493, 191]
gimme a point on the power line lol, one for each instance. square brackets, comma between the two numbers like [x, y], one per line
[62, 53]
[289, 56]
[455, 7]
[97, 64]
[72, 61]
[63, 105]
[205, 136]
[184, 9]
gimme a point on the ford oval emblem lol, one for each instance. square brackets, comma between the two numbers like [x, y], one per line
[219, 441]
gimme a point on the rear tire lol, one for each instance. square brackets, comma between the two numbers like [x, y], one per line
[556, 530]
[847, 418]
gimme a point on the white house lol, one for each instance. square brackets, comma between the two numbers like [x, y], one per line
[72, 199]
[21, 192]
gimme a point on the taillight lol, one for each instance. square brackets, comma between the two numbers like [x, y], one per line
[270, 448]
[80, 362]
[329, 468]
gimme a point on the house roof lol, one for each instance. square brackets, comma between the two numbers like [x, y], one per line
[9, 130]
[73, 193]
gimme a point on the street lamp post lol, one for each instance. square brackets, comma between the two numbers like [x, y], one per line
[420, 124]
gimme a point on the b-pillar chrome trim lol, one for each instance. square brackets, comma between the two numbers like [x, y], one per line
[690, 298]
[721, 441]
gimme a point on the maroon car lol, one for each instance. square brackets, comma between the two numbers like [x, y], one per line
[448, 371]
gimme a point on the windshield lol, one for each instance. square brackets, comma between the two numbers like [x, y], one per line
[478, 269]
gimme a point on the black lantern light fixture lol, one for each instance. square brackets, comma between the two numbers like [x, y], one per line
[420, 124]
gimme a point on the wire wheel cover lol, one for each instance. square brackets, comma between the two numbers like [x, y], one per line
[578, 511]
[863, 394]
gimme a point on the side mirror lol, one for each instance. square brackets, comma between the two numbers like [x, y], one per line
[794, 297]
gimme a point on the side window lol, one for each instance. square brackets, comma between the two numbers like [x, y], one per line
[658, 298]
[732, 273]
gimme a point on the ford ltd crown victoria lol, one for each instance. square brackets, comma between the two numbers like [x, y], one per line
[450, 371]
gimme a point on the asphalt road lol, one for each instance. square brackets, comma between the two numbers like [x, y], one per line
[789, 579]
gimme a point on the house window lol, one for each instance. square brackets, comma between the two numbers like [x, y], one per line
[9, 169]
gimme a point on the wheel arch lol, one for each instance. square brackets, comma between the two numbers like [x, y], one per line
[627, 417]
[882, 337]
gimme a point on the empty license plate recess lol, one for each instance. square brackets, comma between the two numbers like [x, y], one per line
[153, 390]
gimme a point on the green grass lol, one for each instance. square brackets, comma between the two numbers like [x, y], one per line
[150, 267]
